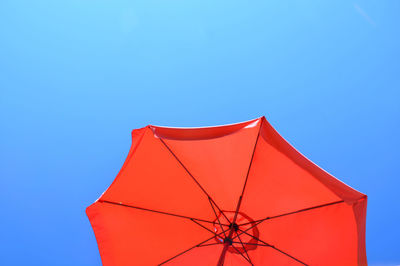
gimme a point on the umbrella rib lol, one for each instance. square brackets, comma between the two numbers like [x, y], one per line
[242, 254]
[247, 174]
[219, 222]
[211, 244]
[183, 252]
[160, 212]
[204, 227]
[294, 212]
[222, 256]
[251, 160]
[190, 174]
[290, 256]
[241, 242]
[277, 249]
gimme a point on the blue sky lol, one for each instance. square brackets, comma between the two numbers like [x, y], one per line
[77, 76]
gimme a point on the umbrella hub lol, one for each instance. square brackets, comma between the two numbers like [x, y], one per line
[235, 226]
[241, 235]
[228, 240]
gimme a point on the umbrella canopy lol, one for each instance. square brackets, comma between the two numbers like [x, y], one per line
[228, 195]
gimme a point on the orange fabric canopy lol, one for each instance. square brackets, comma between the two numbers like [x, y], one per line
[228, 195]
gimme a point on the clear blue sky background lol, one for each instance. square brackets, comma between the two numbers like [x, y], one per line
[77, 76]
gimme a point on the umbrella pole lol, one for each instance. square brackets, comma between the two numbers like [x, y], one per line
[222, 257]
[228, 240]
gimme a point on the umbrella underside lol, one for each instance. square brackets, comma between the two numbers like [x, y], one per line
[249, 198]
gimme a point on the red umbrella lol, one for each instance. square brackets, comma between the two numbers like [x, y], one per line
[228, 195]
